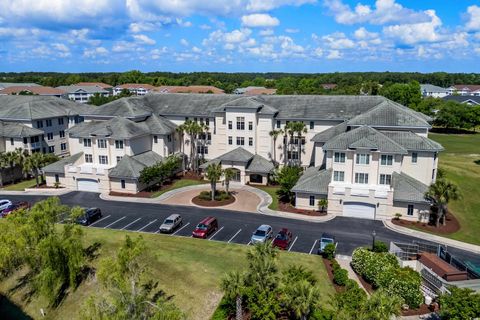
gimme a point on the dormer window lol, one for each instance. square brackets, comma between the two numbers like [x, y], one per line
[102, 143]
[118, 144]
[240, 123]
[386, 160]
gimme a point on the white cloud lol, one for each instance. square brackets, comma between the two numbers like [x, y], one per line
[237, 35]
[291, 30]
[93, 53]
[144, 39]
[473, 22]
[334, 54]
[318, 52]
[196, 49]
[205, 27]
[260, 20]
[184, 42]
[266, 32]
[338, 40]
[362, 33]
[62, 50]
[416, 32]
[385, 11]
[267, 5]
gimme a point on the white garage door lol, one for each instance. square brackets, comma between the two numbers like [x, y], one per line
[87, 185]
[359, 210]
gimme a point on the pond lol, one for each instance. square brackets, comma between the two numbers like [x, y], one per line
[10, 311]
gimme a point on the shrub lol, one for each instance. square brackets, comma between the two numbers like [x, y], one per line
[340, 276]
[329, 251]
[398, 216]
[405, 283]
[219, 195]
[352, 298]
[380, 246]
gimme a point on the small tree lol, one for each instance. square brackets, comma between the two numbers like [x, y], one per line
[275, 134]
[287, 178]
[228, 175]
[322, 204]
[213, 173]
[460, 304]
[442, 192]
[302, 298]
[234, 287]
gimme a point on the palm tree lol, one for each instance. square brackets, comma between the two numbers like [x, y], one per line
[275, 134]
[193, 129]
[442, 191]
[228, 174]
[322, 204]
[181, 132]
[299, 128]
[3, 164]
[382, 305]
[214, 173]
[22, 156]
[34, 164]
[302, 298]
[290, 132]
[234, 285]
[12, 160]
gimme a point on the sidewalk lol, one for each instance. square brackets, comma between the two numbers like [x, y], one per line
[344, 262]
[431, 237]
[39, 191]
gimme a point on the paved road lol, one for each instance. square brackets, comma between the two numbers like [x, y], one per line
[234, 226]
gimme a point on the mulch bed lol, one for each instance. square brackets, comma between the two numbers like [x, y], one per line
[210, 203]
[283, 206]
[452, 225]
[328, 266]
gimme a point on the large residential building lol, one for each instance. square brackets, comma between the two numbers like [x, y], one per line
[82, 94]
[138, 89]
[369, 156]
[32, 90]
[464, 90]
[37, 123]
[188, 89]
[4, 85]
[470, 100]
[429, 90]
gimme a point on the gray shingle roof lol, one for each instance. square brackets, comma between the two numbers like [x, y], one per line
[330, 133]
[238, 155]
[314, 180]
[259, 164]
[256, 103]
[408, 189]
[17, 130]
[132, 108]
[131, 166]
[364, 138]
[412, 141]
[159, 125]
[118, 127]
[37, 107]
[86, 89]
[59, 166]
[391, 114]
[463, 99]
[431, 88]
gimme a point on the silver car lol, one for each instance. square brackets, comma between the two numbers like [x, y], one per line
[171, 223]
[262, 234]
[4, 204]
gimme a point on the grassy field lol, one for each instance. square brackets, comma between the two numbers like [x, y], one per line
[458, 161]
[20, 186]
[179, 184]
[272, 191]
[190, 269]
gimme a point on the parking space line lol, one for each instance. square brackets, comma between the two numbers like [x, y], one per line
[146, 225]
[236, 234]
[111, 224]
[216, 233]
[99, 220]
[184, 226]
[249, 242]
[128, 225]
[311, 250]
[291, 245]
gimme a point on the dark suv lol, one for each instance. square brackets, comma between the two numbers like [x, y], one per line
[91, 215]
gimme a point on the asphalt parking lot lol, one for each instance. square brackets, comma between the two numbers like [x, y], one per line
[235, 226]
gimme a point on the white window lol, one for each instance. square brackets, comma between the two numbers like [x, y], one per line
[386, 160]
[230, 125]
[88, 158]
[292, 155]
[338, 176]
[60, 121]
[63, 146]
[361, 178]
[51, 149]
[230, 140]
[87, 142]
[410, 210]
[50, 136]
[312, 125]
[119, 158]
[312, 201]
[40, 124]
[240, 123]
[279, 124]
[102, 143]
[339, 157]
[250, 125]
[103, 159]
[363, 158]
[62, 133]
[414, 157]
[240, 141]
[118, 144]
[250, 141]
[48, 122]
[386, 179]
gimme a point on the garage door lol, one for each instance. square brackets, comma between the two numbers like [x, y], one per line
[87, 185]
[359, 210]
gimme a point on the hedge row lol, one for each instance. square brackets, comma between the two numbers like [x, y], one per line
[383, 271]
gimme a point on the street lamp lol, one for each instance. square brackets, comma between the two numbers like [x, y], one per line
[374, 234]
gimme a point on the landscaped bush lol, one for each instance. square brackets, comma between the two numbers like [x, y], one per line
[219, 195]
[380, 246]
[329, 251]
[383, 271]
[352, 298]
[340, 276]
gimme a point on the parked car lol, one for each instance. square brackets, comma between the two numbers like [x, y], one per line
[262, 234]
[4, 204]
[171, 223]
[205, 227]
[324, 240]
[282, 239]
[14, 207]
[91, 215]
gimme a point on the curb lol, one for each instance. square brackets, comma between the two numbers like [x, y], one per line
[434, 238]
[34, 192]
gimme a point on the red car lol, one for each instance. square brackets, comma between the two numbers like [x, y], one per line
[205, 227]
[15, 206]
[282, 239]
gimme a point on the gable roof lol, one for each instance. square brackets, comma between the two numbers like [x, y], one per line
[391, 114]
[188, 89]
[59, 166]
[131, 108]
[118, 127]
[86, 89]
[314, 180]
[17, 130]
[412, 141]
[253, 103]
[408, 189]
[131, 166]
[29, 108]
[238, 154]
[364, 138]
[259, 164]
[135, 86]
[330, 133]
[463, 99]
[431, 88]
[39, 90]
[159, 125]
[94, 84]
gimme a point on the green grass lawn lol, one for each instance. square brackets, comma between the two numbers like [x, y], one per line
[179, 184]
[272, 191]
[20, 186]
[189, 269]
[458, 162]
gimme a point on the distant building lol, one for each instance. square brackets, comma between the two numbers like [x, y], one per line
[82, 94]
[4, 85]
[139, 89]
[464, 90]
[33, 90]
[429, 90]
[188, 89]
[95, 84]
[470, 100]
[252, 91]
[328, 86]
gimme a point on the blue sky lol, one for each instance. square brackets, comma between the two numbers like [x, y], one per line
[240, 35]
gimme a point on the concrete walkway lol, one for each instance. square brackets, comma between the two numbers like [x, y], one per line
[431, 237]
[344, 262]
